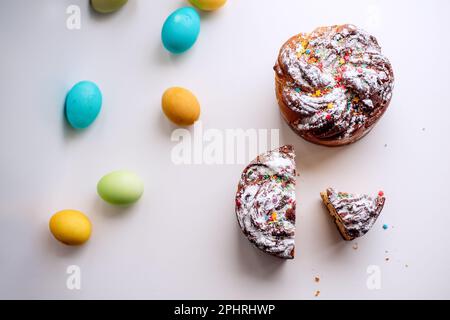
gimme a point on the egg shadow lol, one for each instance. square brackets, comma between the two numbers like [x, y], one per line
[166, 127]
[113, 211]
[60, 249]
[69, 132]
[165, 57]
[254, 261]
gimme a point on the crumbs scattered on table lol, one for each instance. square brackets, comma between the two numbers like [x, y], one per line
[387, 259]
[423, 129]
[355, 246]
[317, 293]
[406, 265]
[317, 279]
[385, 145]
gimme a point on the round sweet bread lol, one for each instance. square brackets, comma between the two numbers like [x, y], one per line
[333, 84]
[265, 202]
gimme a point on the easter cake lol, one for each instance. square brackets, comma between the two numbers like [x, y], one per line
[353, 214]
[333, 84]
[265, 202]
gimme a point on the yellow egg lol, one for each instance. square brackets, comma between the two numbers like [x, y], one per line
[208, 5]
[180, 106]
[71, 227]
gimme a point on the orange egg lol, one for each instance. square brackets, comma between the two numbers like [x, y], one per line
[180, 106]
[208, 5]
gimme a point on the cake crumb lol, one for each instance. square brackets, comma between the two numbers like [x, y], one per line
[387, 259]
[355, 246]
[317, 279]
[385, 145]
[317, 293]
[406, 265]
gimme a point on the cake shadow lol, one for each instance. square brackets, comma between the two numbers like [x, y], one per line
[254, 261]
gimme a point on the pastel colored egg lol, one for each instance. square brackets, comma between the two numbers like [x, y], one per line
[83, 104]
[181, 30]
[70, 227]
[208, 5]
[120, 187]
[180, 106]
[107, 6]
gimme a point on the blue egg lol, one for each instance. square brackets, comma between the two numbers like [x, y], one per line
[83, 104]
[181, 29]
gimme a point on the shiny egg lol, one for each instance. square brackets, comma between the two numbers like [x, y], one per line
[83, 104]
[70, 227]
[208, 5]
[180, 30]
[107, 6]
[121, 187]
[180, 106]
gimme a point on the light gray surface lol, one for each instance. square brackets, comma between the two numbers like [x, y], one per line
[181, 240]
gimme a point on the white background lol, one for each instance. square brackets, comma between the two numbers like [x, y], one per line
[182, 240]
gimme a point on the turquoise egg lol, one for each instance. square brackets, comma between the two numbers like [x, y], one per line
[83, 104]
[181, 29]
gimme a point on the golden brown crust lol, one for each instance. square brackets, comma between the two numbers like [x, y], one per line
[336, 82]
[337, 219]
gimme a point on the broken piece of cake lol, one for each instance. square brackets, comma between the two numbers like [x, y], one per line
[265, 202]
[354, 214]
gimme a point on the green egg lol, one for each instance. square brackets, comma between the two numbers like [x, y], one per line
[107, 6]
[120, 187]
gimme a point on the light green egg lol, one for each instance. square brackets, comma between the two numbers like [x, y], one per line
[107, 6]
[120, 187]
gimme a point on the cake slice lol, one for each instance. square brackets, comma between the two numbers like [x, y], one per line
[265, 202]
[354, 214]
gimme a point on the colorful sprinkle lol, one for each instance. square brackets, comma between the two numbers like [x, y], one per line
[381, 194]
[342, 61]
[328, 117]
[274, 216]
[297, 90]
[330, 106]
[385, 226]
